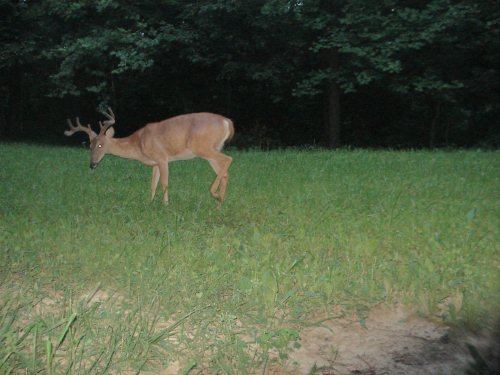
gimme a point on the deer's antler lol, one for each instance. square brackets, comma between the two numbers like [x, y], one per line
[79, 128]
[105, 125]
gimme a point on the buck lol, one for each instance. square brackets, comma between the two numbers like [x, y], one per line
[159, 143]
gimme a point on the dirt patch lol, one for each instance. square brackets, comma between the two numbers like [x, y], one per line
[392, 341]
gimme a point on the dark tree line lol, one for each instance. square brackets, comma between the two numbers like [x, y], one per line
[382, 73]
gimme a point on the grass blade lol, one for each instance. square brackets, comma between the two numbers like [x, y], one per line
[66, 329]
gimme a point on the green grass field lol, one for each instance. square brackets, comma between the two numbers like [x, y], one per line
[96, 279]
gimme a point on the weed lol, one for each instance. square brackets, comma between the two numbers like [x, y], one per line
[106, 281]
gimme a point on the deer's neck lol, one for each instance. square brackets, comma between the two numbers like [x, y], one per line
[127, 147]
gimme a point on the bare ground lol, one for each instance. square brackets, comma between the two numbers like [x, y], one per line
[392, 341]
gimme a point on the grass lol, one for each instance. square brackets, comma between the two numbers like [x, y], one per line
[96, 279]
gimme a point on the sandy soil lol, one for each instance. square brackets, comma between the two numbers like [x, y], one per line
[392, 341]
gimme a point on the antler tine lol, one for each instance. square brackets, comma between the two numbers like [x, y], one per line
[79, 128]
[111, 112]
[71, 127]
[78, 125]
[105, 126]
[110, 115]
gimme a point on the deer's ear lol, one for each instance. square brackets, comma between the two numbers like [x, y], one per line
[110, 132]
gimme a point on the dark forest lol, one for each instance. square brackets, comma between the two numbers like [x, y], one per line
[348, 73]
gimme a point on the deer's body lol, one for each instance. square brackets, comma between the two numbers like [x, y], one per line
[159, 143]
[178, 138]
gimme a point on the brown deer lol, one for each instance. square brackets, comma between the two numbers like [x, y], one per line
[158, 143]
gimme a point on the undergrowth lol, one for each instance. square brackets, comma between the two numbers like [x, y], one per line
[96, 279]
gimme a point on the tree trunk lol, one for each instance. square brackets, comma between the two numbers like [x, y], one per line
[228, 96]
[435, 119]
[332, 105]
[3, 121]
[332, 116]
[113, 91]
[15, 104]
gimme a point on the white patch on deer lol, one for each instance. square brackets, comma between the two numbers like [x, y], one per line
[225, 122]
[185, 155]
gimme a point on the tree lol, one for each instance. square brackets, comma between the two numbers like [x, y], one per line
[17, 54]
[281, 68]
[359, 43]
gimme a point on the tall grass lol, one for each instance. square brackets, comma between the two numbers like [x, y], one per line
[95, 278]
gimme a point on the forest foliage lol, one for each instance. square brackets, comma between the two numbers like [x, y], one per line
[289, 72]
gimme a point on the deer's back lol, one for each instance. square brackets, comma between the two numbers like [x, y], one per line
[184, 134]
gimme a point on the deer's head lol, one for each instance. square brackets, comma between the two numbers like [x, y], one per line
[99, 143]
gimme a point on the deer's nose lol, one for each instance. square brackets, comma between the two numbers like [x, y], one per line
[93, 165]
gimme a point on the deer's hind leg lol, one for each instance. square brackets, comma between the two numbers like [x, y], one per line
[220, 164]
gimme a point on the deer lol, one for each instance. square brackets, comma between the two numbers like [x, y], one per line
[156, 144]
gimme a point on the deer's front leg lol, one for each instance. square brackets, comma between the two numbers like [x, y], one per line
[163, 168]
[154, 181]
